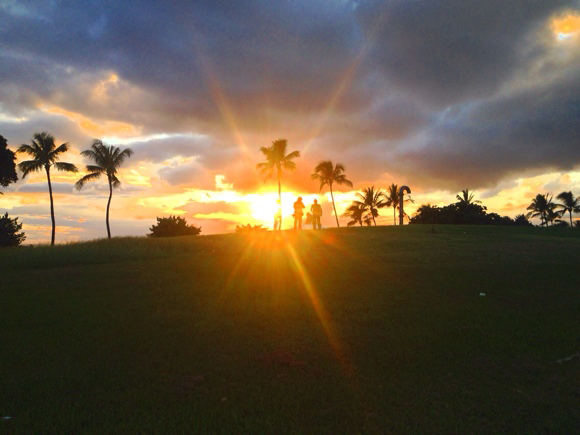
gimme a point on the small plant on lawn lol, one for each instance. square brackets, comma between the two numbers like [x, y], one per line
[173, 226]
[9, 232]
[250, 229]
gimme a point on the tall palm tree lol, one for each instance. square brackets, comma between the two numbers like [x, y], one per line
[44, 155]
[107, 158]
[393, 200]
[373, 200]
[540, 207]
[327, 173]
[569, 204]
[466, 198]
[276, 162]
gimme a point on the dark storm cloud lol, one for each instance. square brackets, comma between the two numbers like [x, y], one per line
[446, 51]
[535, 130]
[428, 98]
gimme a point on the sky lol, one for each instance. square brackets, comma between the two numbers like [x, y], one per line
[439, 95]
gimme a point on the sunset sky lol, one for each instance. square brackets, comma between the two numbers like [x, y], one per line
[438, 95]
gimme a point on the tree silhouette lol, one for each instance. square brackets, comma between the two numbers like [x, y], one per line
[9, 231]
[569, 204]
[327, 173]
[173, 226]
[7, 166]
[372, 200]
[466, 198]
[108, 159]
[393, 200]
[277, 161]
[540, 207]
[44, 155]
[356, 212]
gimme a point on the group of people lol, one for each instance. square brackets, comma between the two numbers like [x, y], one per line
[312, 217]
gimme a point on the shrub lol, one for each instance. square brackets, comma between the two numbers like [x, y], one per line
[9, 232]
[173, 226]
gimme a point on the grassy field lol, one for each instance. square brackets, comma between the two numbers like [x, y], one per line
[358, 330]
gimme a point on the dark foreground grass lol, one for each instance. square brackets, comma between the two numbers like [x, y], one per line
[361, 330]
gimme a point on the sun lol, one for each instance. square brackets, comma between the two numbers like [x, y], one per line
[263, 207]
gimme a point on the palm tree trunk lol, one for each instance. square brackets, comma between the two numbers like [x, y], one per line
[570, 211]
[109, 205]
[394, 215]
[333, 206]
[51, 206]
[280, 199]
[373, 216]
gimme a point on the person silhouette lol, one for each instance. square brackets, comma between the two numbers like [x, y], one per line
[278, 217]
[316, 213]
[298, 207]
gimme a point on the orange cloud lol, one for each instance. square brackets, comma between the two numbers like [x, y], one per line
[93, 128]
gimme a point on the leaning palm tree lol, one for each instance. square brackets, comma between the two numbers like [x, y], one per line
[540, 207]
[569, 204]
[373, 200]
[44, 155]
[327, 173]
[107, 158]
[466, 198]
[394, 199]
[276, 162]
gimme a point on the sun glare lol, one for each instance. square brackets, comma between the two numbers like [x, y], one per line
[566, 27]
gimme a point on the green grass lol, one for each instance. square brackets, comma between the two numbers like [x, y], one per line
[359, 330]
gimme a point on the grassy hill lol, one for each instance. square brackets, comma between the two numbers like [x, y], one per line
[358, 330]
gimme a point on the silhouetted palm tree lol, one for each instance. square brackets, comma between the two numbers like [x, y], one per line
[108, 159]
[276, 162]
[569, 204]
[329, 174]
[356, 212]
[45, 155]
[393, 200]
[540, 207]
[373, 200]
[466, 198]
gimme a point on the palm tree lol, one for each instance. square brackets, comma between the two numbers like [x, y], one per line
[329, 174]
[466, 198]
[108, 159]
[394, 200]
[569, 204]
[540, 207]
[372, 200]
[45, 155]
[356, 211]
[276, 162]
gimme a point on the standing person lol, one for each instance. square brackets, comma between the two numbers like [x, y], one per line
[278, 217]
[298, 207]
[316, 210]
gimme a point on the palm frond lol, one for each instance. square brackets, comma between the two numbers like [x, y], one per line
[288, 165]
[63, 148]
[292, 155]
[29, 166]
[84, 180]
[65, 167]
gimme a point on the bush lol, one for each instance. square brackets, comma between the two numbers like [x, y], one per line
[173, 226]
[9, 232]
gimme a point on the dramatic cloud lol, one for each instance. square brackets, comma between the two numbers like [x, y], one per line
[438, 94]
